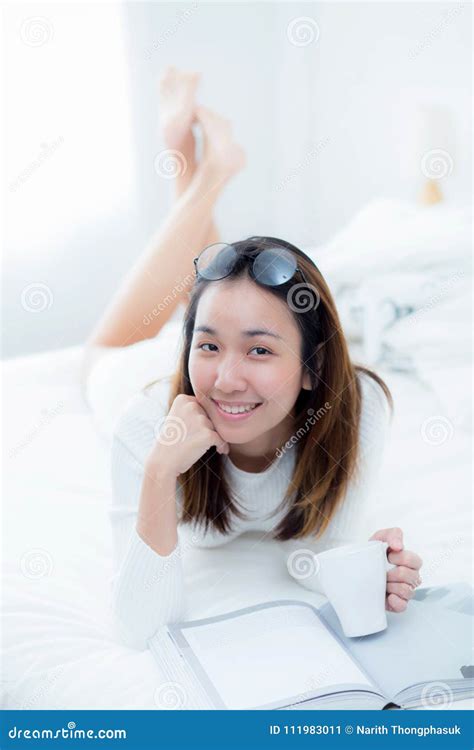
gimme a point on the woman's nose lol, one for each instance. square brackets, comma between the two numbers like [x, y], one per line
[229, 377]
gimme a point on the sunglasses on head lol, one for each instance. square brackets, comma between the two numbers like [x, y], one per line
[271, 267]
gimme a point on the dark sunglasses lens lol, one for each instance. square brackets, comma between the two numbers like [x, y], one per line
[274, 266]
[216, 261]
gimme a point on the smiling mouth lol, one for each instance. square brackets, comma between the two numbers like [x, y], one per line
[236, 411]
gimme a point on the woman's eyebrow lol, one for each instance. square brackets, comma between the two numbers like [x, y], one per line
[250, 333]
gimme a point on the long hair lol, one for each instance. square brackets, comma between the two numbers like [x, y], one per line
[327, 448]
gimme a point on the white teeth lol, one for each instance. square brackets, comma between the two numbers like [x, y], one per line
[237, 409]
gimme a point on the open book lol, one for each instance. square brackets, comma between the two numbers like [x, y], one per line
[290, 655]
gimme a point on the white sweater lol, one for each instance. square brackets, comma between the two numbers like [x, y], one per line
[148, 588]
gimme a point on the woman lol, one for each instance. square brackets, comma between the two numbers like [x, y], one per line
[266, 424]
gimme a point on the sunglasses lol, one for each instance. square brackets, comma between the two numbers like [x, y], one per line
[271, 267]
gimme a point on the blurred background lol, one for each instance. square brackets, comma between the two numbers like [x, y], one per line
[336, 105]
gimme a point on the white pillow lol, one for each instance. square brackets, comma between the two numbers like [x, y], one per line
[437, 341]
[389, 235]
[438, 334]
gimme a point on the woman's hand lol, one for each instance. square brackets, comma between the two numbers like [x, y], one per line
[184, 436]
[402, 580]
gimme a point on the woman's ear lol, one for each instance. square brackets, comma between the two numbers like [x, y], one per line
[306, 384]
[319, 358]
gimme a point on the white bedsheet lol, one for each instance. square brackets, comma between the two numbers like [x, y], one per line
[60, 648]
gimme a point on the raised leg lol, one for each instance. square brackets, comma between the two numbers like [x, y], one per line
[150, 292]
[177, 93]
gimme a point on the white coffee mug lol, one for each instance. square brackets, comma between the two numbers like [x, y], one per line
[354, 579]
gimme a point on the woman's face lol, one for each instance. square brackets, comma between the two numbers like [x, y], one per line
[246, 350]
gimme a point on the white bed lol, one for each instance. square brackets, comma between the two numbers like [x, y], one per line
[60, 647]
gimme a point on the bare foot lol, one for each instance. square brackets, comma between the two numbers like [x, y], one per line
[177, 106]
[221, 153]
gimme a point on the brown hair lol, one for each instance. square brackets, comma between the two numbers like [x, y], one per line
[327, 453]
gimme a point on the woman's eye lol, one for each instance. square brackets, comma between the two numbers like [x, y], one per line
[260, 349]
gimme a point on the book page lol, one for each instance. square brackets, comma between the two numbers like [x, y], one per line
[271, 655]
[426, 643]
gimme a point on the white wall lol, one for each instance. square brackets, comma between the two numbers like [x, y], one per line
[327, 125]
[379, 63]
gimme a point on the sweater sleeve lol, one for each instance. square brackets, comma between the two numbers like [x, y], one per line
[351, 523]
[147, 588]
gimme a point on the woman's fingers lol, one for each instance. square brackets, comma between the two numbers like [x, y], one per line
[221, 445]
[402, 574]
[406, 558]
[222, 448]
[207, 423]
[395, 604]
[402, 590]
[405, 577]
[393, 537]
[216, 440]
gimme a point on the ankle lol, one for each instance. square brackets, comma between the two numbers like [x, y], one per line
[187, 157]
[210, 176]
[204, 185]
[183, 181]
